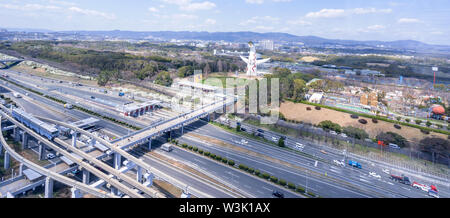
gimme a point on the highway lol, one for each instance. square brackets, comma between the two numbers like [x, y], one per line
[361, 178]
[366, 186]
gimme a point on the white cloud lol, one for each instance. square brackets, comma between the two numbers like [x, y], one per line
[153, 9]
[333, 13]
[260, 20]
[409, 20]
[376, 27]
[254, 1]
[300, 22]
[210, 21]
[92, 13]
[29, 7]
[188, 5]
[198, 6]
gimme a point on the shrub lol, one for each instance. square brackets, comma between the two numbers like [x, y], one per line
[200, 151]
[397, 126]
[428, 123]
[184, 145]
[282, 182]
[213, 156]
[257, 172]
[195, 149]
[300, 189]
[251, 170]
[274, 179]
[426, 132]
[224, 160]
[408, 120]
[231, 162]
[243, 167]
[219, 158]
[418, 122]
[308, 108]
[311, 194]
[190, 147]
[291, 185]
[399, 118]
[354, 116]
[374, 120]
[265, 175]
[362, 121]
[207, 153]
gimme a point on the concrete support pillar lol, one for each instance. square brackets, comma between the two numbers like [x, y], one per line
[48, 187]
[93, 141]
[114, 191]
[117, 161]
[1, 149]
[86, 177]
[24, 140]
[182, 129]
[15, 130]
[41, 151]
[149, 179]
[208, 118]
[139, 174]
[150, 144]
[21, 169]
[76, 193]
[6, 161]
[74, 139]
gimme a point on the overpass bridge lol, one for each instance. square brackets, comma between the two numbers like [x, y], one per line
[80, 158]
[147, 134]
[5, 62]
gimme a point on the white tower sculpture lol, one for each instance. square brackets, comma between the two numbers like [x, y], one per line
[252, 62]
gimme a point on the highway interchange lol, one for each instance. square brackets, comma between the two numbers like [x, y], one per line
[324, 179]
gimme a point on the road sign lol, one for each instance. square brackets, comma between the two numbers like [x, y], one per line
[435, 69]
[315, 164]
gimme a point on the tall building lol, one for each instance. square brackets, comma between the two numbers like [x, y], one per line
[266, 45]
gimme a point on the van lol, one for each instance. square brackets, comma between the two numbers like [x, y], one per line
[167, 147]
[394, 146]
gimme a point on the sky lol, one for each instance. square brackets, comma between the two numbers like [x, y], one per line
[387, 20]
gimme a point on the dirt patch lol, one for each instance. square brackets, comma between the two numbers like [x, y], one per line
[298, 112]
[310, 59]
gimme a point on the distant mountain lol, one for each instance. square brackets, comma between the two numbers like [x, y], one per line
[243, 37]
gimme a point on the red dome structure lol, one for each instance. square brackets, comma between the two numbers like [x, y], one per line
[438, 110]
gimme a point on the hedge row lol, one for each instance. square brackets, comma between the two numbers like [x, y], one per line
[75, 106]
[205, 153]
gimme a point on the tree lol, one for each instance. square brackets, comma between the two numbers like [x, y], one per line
[328, 125]
[281, 142]
[391, 137]
[436, 146]
[238, 127]
[428, 123]
[164, 79]
[355, 132]
[299, 89]
[185, 71]
[418, 122]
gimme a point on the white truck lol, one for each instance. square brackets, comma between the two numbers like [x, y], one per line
[167, 147]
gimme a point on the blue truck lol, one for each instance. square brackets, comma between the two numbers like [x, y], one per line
[121, 94]
[354, 164]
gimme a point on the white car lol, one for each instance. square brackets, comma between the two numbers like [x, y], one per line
[373, 174]
[50, 156]
[243, 141]
[333, 133]
[421, 186]
[339, 163]
[274, 139]
[386, 171]
[344, 135]
[299, 145]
